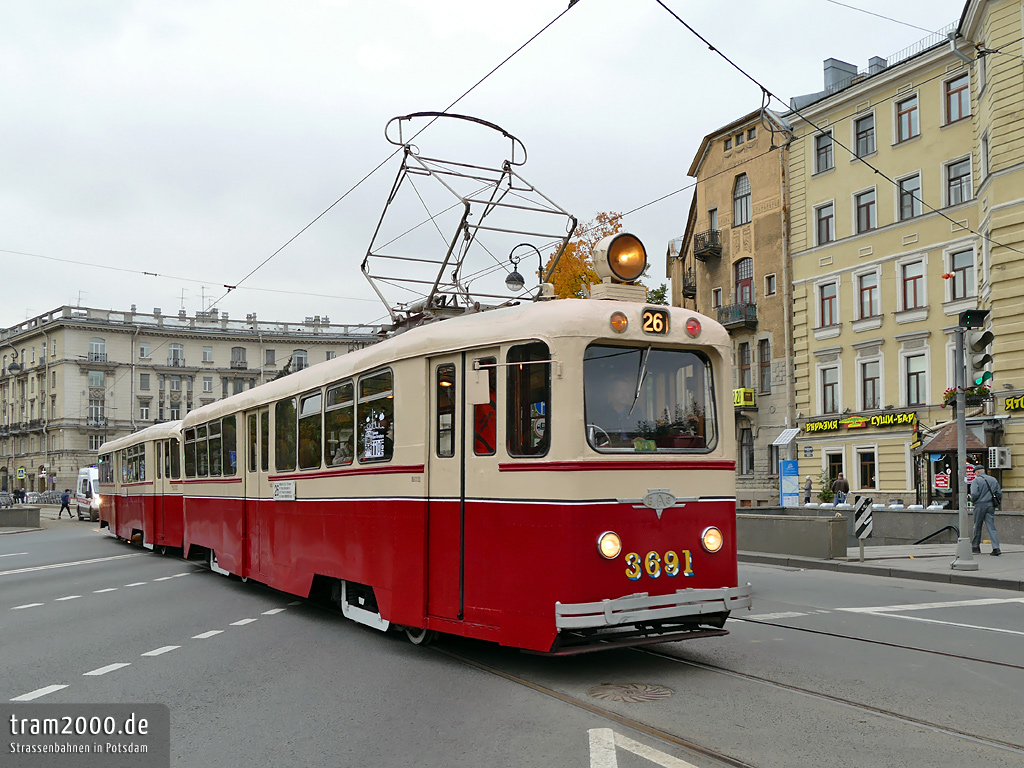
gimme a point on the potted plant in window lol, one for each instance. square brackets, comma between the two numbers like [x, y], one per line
[973, 395]
[682, 430]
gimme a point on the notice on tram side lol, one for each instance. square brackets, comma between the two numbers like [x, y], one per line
[86, 735]
[284, 490]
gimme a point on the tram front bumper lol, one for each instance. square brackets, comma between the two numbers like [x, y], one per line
[643, 608]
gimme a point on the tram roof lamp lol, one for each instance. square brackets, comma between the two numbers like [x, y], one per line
[620, 258]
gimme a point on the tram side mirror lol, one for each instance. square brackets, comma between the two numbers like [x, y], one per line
[477, 388]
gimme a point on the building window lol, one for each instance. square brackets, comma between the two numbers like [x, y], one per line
[713, 218]
[175, 383]
[95, 410]
[744, 367]
[176, 355]
[207, 383]
[867, 290]
[739, 138]
[823, 160]
[744, 273]
[331, 354]
[716, 298]
[741, 201]
[984, 155]
[961, 266]
[824, 220]
[769, 285]
[53, 407]
[144, 381]
[910, 197]
[916, 388]
[299, 360]
[958, 181]
[866, 464]
[912, 279]
[869, 385]
[96, 378]
[144, 350]
[97, 350]
[746, 452]
[866, 217]
[907, 123]
[95, 441]
[175, 411]
[958, 98]
[864, 133]
[764, 358]
[270, 357]
[207, 354]
[728, 143]
[828, 304]
[830, 390]
[144, 411]
[751, 133]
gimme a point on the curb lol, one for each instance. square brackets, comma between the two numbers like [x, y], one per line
[20, 530]
[842, 566]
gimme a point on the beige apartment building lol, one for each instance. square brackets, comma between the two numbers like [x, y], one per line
[905, 187]
[730, 265]
[75, 377]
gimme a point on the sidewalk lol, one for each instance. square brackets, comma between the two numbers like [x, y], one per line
[925, 562]
[47, 519]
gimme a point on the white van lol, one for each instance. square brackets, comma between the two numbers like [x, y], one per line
[87, 497]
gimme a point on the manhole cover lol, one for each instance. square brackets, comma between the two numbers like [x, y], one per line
[631, 693]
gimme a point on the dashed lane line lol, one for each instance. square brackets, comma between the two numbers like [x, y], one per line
[272, 612]
[928, 606]
[136, 584]
[101, 591]
[38, 692]
[69, 597]
[106, 669]
[26, 605]
[68, 565]
[14, 554]
[242, 622]
[205, 635]
[162, 651]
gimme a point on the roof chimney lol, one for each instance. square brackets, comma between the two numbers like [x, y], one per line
[875, 65]
[838, 72]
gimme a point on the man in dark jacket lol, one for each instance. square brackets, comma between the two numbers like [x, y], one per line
[986, 496]
[65, 503]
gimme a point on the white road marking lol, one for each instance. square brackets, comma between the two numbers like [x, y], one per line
[603, 742]
[162, 651]
[650, 753]
[242, 622]
[108, 589]
[951, 623]
[602, 748]
[69, 597]
[205, 635]
[26, 605]
[67, 565]
[186, 573]
[164, 578]
[39, 692]
[13, 554]
[295, 602]
[104, 670]
[928, 606]
[136, 584]
[274, 611]
[770, 616]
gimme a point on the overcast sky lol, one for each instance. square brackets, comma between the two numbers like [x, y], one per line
[194, 138]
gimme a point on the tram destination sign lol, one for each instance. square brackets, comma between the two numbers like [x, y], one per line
[859, 422]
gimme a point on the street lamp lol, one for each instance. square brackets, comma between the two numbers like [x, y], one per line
[514, 281]
[13, 366]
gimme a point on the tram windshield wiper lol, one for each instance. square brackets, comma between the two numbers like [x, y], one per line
[641, 376]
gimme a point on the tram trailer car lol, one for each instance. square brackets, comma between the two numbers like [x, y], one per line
[140, 476]
[469, 477]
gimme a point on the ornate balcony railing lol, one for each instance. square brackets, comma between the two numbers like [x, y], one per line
[738, 316]
[707, 244]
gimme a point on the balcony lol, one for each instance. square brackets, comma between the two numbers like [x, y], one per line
[738, 316]
[92, 421]
[689, 284]
[744, 399]
[239, 365]
[97, 357]
[176, 362]
[707, 244]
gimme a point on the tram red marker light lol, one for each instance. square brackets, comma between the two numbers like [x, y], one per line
[693, 327]
[619, 322]
[711, 539]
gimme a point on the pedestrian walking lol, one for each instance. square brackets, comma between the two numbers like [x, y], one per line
[840, 487]
[987, 497]
[65, 503]
[807, 490]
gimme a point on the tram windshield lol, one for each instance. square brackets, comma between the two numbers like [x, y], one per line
[648, 400]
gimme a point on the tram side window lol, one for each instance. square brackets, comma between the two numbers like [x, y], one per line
[253, 441]
[375, 417]
[213, 428]
[284, 434]
[173, 452]
[485, 415]
[529, 399]
[446, 410]
[310, 431]
[159, 459]
[339, 425]
[106, 468]
[229, 459]
[265, 441]
[190, 453]
[142, 461]
[202, 452]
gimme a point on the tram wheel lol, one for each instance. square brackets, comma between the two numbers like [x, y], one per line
[419, 636]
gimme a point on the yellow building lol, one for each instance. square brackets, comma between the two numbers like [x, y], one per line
[730, 265]
[898, 177]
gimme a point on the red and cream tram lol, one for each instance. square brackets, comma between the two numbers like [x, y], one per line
[555, 476]
[140, 475]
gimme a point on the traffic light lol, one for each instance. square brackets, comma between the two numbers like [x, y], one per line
[973, 318]
[980, 357]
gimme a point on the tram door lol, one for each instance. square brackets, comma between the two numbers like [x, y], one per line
[257, 487]
[157, 532]
[462, 440]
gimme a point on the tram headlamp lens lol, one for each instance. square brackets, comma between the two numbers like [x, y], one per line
[99, 500]
[711, 539]
[609, 545]
[621, 258]
[619, 322]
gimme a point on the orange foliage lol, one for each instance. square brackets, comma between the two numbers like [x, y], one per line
[575, 271]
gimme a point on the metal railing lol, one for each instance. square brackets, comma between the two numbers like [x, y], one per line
[707, 244]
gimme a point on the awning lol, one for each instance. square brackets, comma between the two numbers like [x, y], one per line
[786, 437]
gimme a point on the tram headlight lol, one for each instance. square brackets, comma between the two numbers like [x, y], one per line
[99, 500]
[711, 539]
[609, 545]
[619, 322]
[621, 258]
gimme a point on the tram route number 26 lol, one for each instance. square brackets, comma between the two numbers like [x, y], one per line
[654, 564]
[655, 321]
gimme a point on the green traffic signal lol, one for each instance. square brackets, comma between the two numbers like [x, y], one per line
[985, 377]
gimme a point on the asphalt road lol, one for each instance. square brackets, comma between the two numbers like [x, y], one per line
[828, 669]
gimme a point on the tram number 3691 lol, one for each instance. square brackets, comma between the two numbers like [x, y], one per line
[654, 564]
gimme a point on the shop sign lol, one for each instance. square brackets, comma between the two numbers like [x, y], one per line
[942, 481]
[1014, 403]
[858, 422]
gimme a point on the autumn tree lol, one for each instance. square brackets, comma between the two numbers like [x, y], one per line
[575, 271]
